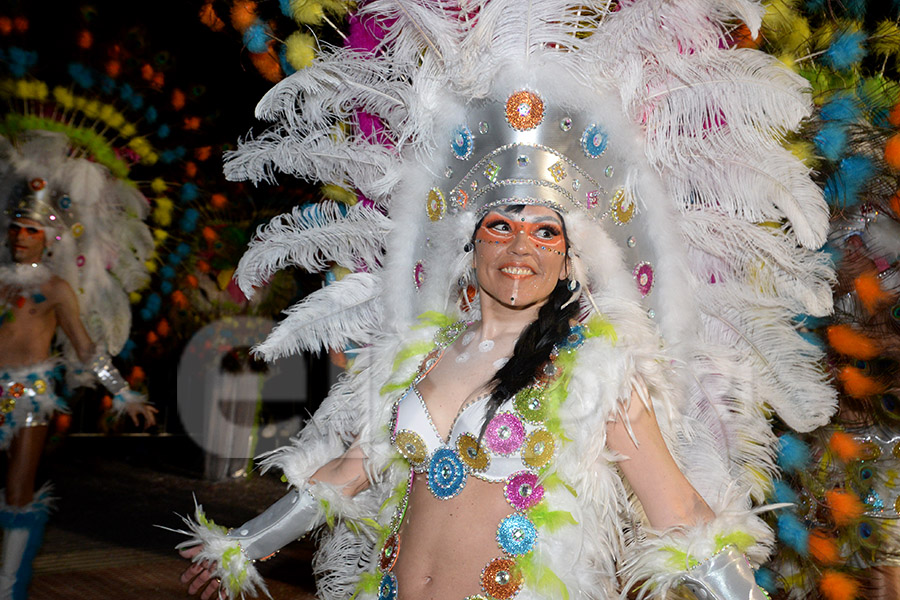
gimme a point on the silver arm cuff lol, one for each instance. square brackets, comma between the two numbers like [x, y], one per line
[725, 576]
[285, 521]
[107, 374]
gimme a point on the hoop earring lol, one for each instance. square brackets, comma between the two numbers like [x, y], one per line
[573, 285]
[468, 247]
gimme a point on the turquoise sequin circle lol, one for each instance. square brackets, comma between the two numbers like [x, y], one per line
[446, 474]
[593, 141]
[387, 589]
[516, 535]
[463, 143]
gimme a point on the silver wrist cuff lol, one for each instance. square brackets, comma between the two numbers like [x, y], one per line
[724, 576]
[107, 374]
[293, 515]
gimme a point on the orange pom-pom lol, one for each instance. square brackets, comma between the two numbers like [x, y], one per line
[113, 68]
[894, 115]
[203, 153]
[892, 151]
[218, 201]
[179, 299]
[824, 548]
[849, 342]
[5, 25]
[190, 169]
[20, 24]
[191, 123]
[243, 13]
[85, 39]
[192, 281]
[267, 64]
[203, 266]
[742, 38]
[159, 81]
[209, 234]
[857, 384]
[838, 586]
[62, 421]
[106, 402]
[136, 377]
[163, 328]
[845, 507]
[845, 446]
[177, 99]
[152, 338]
[869, 291]
[147, 71]
[209, 17]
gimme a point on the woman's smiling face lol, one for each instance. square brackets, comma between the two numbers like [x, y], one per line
[520, 254]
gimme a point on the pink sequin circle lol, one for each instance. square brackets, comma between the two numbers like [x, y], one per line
[643, 276]
[522, 490]
[505, 433]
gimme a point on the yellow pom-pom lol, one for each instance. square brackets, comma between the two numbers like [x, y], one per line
[340, 272]
[116, 120]
[338, 194]
[224, 278]
[309, 12]
[134, 297]
[63, 97]
[301, 49]
[337, 7]
[160, 235]
[92, 109]
[885, 40]
[151, 266]
[128, 130]
[159, 185]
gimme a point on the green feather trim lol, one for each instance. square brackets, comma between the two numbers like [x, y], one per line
[739, 539]
[368, 582]
[210, 524]
[679, 559]
[235, 578]
[539, 577]
[432, 318]
[597, 326]
[400, 385]
[551, 520]
[411, 350]
[553, 480]
[329, 515]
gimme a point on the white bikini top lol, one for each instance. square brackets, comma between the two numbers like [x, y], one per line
[515, 440]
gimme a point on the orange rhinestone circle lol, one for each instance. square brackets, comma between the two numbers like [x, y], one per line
[524, 110]
[501, 579]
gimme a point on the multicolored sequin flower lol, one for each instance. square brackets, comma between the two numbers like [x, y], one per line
[522, 490]
[446, 474]
[524, 110]
[516, 535]
[505, 433]
[529, 404]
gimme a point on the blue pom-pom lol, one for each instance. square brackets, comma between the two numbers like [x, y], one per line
[166, 287]
[154, 302]
[180, 151]
[286, 65]
[783, 493]
[81, 75]
[792, 533]
[174, 259]
[126, 92]
[127, 350]
[256, 36]
[137, 102]
[766, 579]
[107, 84]
[163, 131]
[285, 6]
[842, 107]
[21, 60]
[167, 157]
[151, 114]
[146, 314]
[167, 272]
[831, 141]
[846, 50]
[843, 187]
[189, 220]
[793, 453]
[189, 192]
[183, 249]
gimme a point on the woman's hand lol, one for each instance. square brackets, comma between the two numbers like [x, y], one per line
[141, 409]
[200, 577]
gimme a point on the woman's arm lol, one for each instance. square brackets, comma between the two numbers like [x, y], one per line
[666, 495]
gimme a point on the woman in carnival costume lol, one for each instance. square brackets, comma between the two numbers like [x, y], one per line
[575, 270]
[70, 226]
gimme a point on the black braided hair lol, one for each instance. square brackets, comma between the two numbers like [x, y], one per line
[534, 345]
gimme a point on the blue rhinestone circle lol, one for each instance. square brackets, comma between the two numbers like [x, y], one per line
[446, 474]
[593, 141]
[387, 589]
[516, 535]
[463, 143]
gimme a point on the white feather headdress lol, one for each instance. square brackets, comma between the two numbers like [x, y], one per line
[716, 250]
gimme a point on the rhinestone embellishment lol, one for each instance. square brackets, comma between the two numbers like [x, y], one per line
[622, 209]
[524, 110]
[446, 474]
[463, 143]
[557, 171]
[387, 589]
[435, 205]
[472, 453]
[411, 446]
[643, 275]
[505, 433]
[516, 535]
[522, 490]
[565, 124]
[419, 275]
[500, 579]
[593, 141]
[389, 552]
[593, 198]
[529, 404]
[539, 449]
[491, 171]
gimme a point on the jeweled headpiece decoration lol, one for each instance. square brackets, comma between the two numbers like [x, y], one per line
[35, 199]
